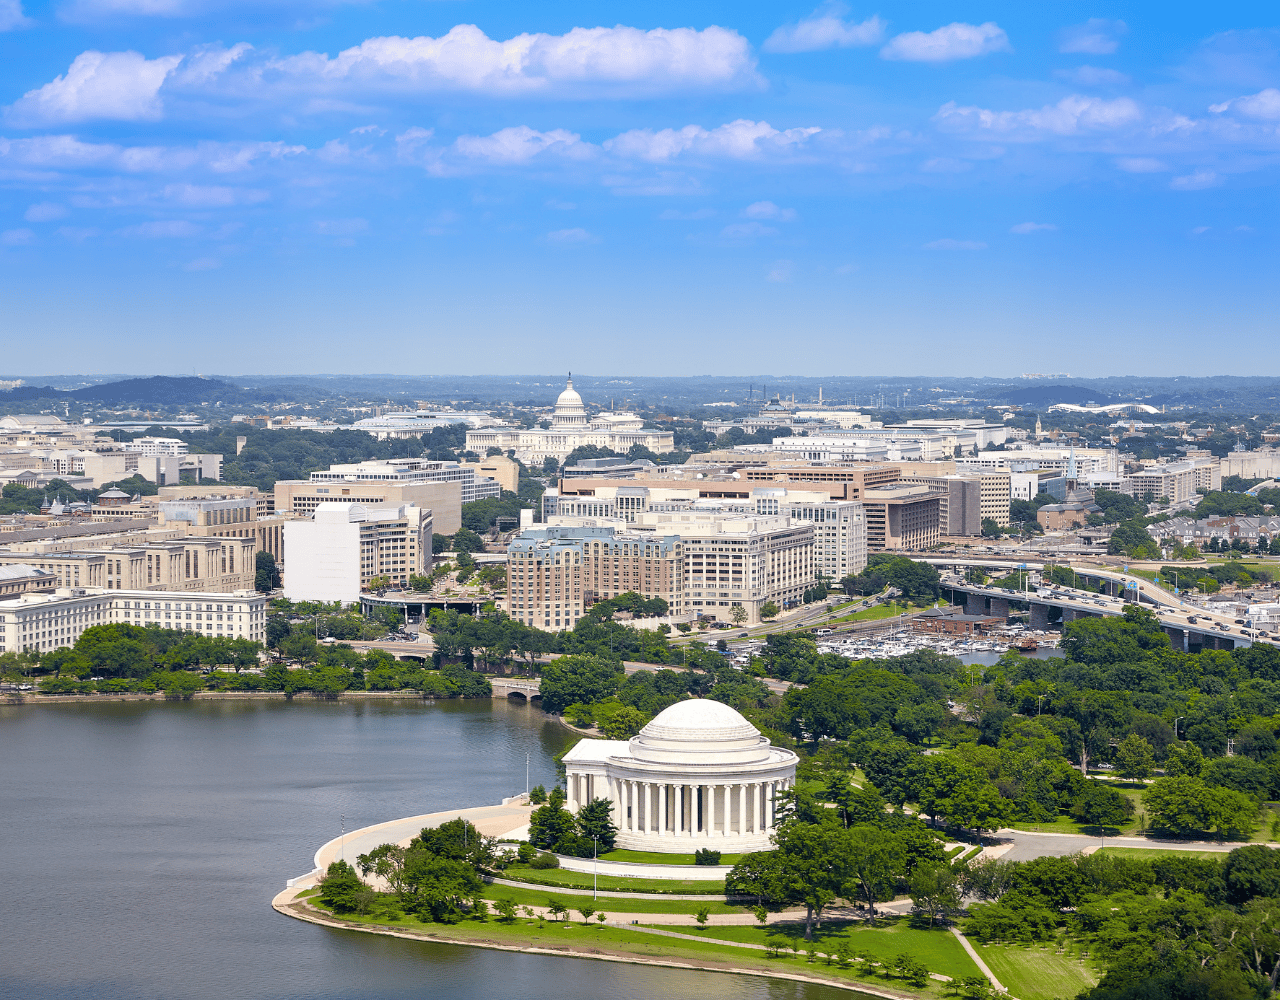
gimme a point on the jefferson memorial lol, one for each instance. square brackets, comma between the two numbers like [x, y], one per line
[698, 775]
[571, 428]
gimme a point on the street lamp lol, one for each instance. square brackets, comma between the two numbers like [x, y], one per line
[1175, 725]
[595, 866]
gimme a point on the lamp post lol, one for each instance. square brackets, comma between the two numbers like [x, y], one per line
[342, 840]
[526, 775]
[595, 867]
[1175, 725]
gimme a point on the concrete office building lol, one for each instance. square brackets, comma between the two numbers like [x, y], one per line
[1176, 481]
[334, 555]
[902, 517]
[502, 470]
[156, 446]
[441, 486]
[176, 564]
[45, 622]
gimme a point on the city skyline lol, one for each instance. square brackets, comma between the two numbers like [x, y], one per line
[301, 187]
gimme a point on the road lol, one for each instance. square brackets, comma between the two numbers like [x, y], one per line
[1025, 845]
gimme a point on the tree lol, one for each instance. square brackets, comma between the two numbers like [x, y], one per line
[1101, 805]
[579, 678]
[1134, 757]
[1184, 805]
[769, 610]
[506, 910]
[990, 529]
[935, 890]
[1251, 872]
[587, 913]
[267, 574]
[595, 820]
[738, 614]
[340, 887]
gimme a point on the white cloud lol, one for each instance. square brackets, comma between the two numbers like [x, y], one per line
[45, 211]
[1141, 165]
[780, 271]
[17, 237]
[768, 210]
[741, 139]
[203, 264]
[1265, 105]
[1070, 116]
[674, 214]
[952, 41]
[212, 196]
[118, 85]
[825, 29]
[11, 16]
[566, 237]
[368, 129]
[744, 232]
[1093, 76]
[66, 152]
[1199, 229]
[77, 234]
[169, 229]
[586, 61]
[340, 227]
[1196, 181]
[945, 165]
[521, 144]
[1096, 37]
[1026, 228]
[955, 245]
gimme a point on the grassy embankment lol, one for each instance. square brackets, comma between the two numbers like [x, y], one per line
[1037, 972]
[623, 883]
[656, 858]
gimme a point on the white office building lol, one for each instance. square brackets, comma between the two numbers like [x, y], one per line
[412, 471]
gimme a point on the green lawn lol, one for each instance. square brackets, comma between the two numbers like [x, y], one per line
[938, 949]
[1037, 972]
[656, 858]
[585, 880]
[1147, 853]
[537, 896]
[707, 953]
[890, 610]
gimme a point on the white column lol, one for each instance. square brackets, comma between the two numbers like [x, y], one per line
[711, 810]
[644, 796]
[679, 816]
[742, 809]
[662, 811]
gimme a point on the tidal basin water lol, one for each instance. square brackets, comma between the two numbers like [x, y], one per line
[142, 843]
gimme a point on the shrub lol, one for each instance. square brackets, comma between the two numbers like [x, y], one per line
[537, 795]
[545, 861]
[526, 853]
[706, 856]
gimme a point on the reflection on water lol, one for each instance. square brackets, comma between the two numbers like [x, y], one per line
[143, 843]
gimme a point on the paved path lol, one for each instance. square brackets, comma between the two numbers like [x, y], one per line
[1023, 845]
[964, 943]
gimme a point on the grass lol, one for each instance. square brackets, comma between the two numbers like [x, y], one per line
[1064, 824]
[1147, 853]
[585, 880]
[534, 896]
[937, 948]
[705, 953]
[656, 858]
[890, 610]
[1037, 972]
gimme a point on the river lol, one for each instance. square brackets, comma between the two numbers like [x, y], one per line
[142, 843]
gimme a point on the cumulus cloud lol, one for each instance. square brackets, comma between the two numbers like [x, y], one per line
[1092, 76]
[587, 61]
[741, 139]
[566, 237]
[167, 229]
[521, 144]
[825, 28]
[11, 16]
[952, 41]
[118, 85]
[1141, 165]
[1070, 116]
[1027, 228]
[955, 245]
[780, 271]
[212, 196]
[1264, 105]
[17, 237]
[1096, 37]
[45, 211]
[768, 210]
[67, 153]
[1196, 181]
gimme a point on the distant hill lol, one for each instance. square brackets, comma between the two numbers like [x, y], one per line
[1048, 395]
[158, 391]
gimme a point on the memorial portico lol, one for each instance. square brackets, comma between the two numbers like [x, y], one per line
[698, 775]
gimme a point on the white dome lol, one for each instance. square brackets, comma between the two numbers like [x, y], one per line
[569, 397]
[700, 731]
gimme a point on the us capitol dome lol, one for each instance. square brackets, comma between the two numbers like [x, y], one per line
[571, 428]
[698, 775]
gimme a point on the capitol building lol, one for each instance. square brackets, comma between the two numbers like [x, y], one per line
[698, 775]
[570, 429]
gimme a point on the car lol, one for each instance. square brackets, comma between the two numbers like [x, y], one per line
[1192, 619]
[1240, 621]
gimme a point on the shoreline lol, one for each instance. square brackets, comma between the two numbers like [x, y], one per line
[35, 698]
[287, 904]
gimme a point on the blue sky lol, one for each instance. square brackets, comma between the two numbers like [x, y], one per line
[433, 186]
